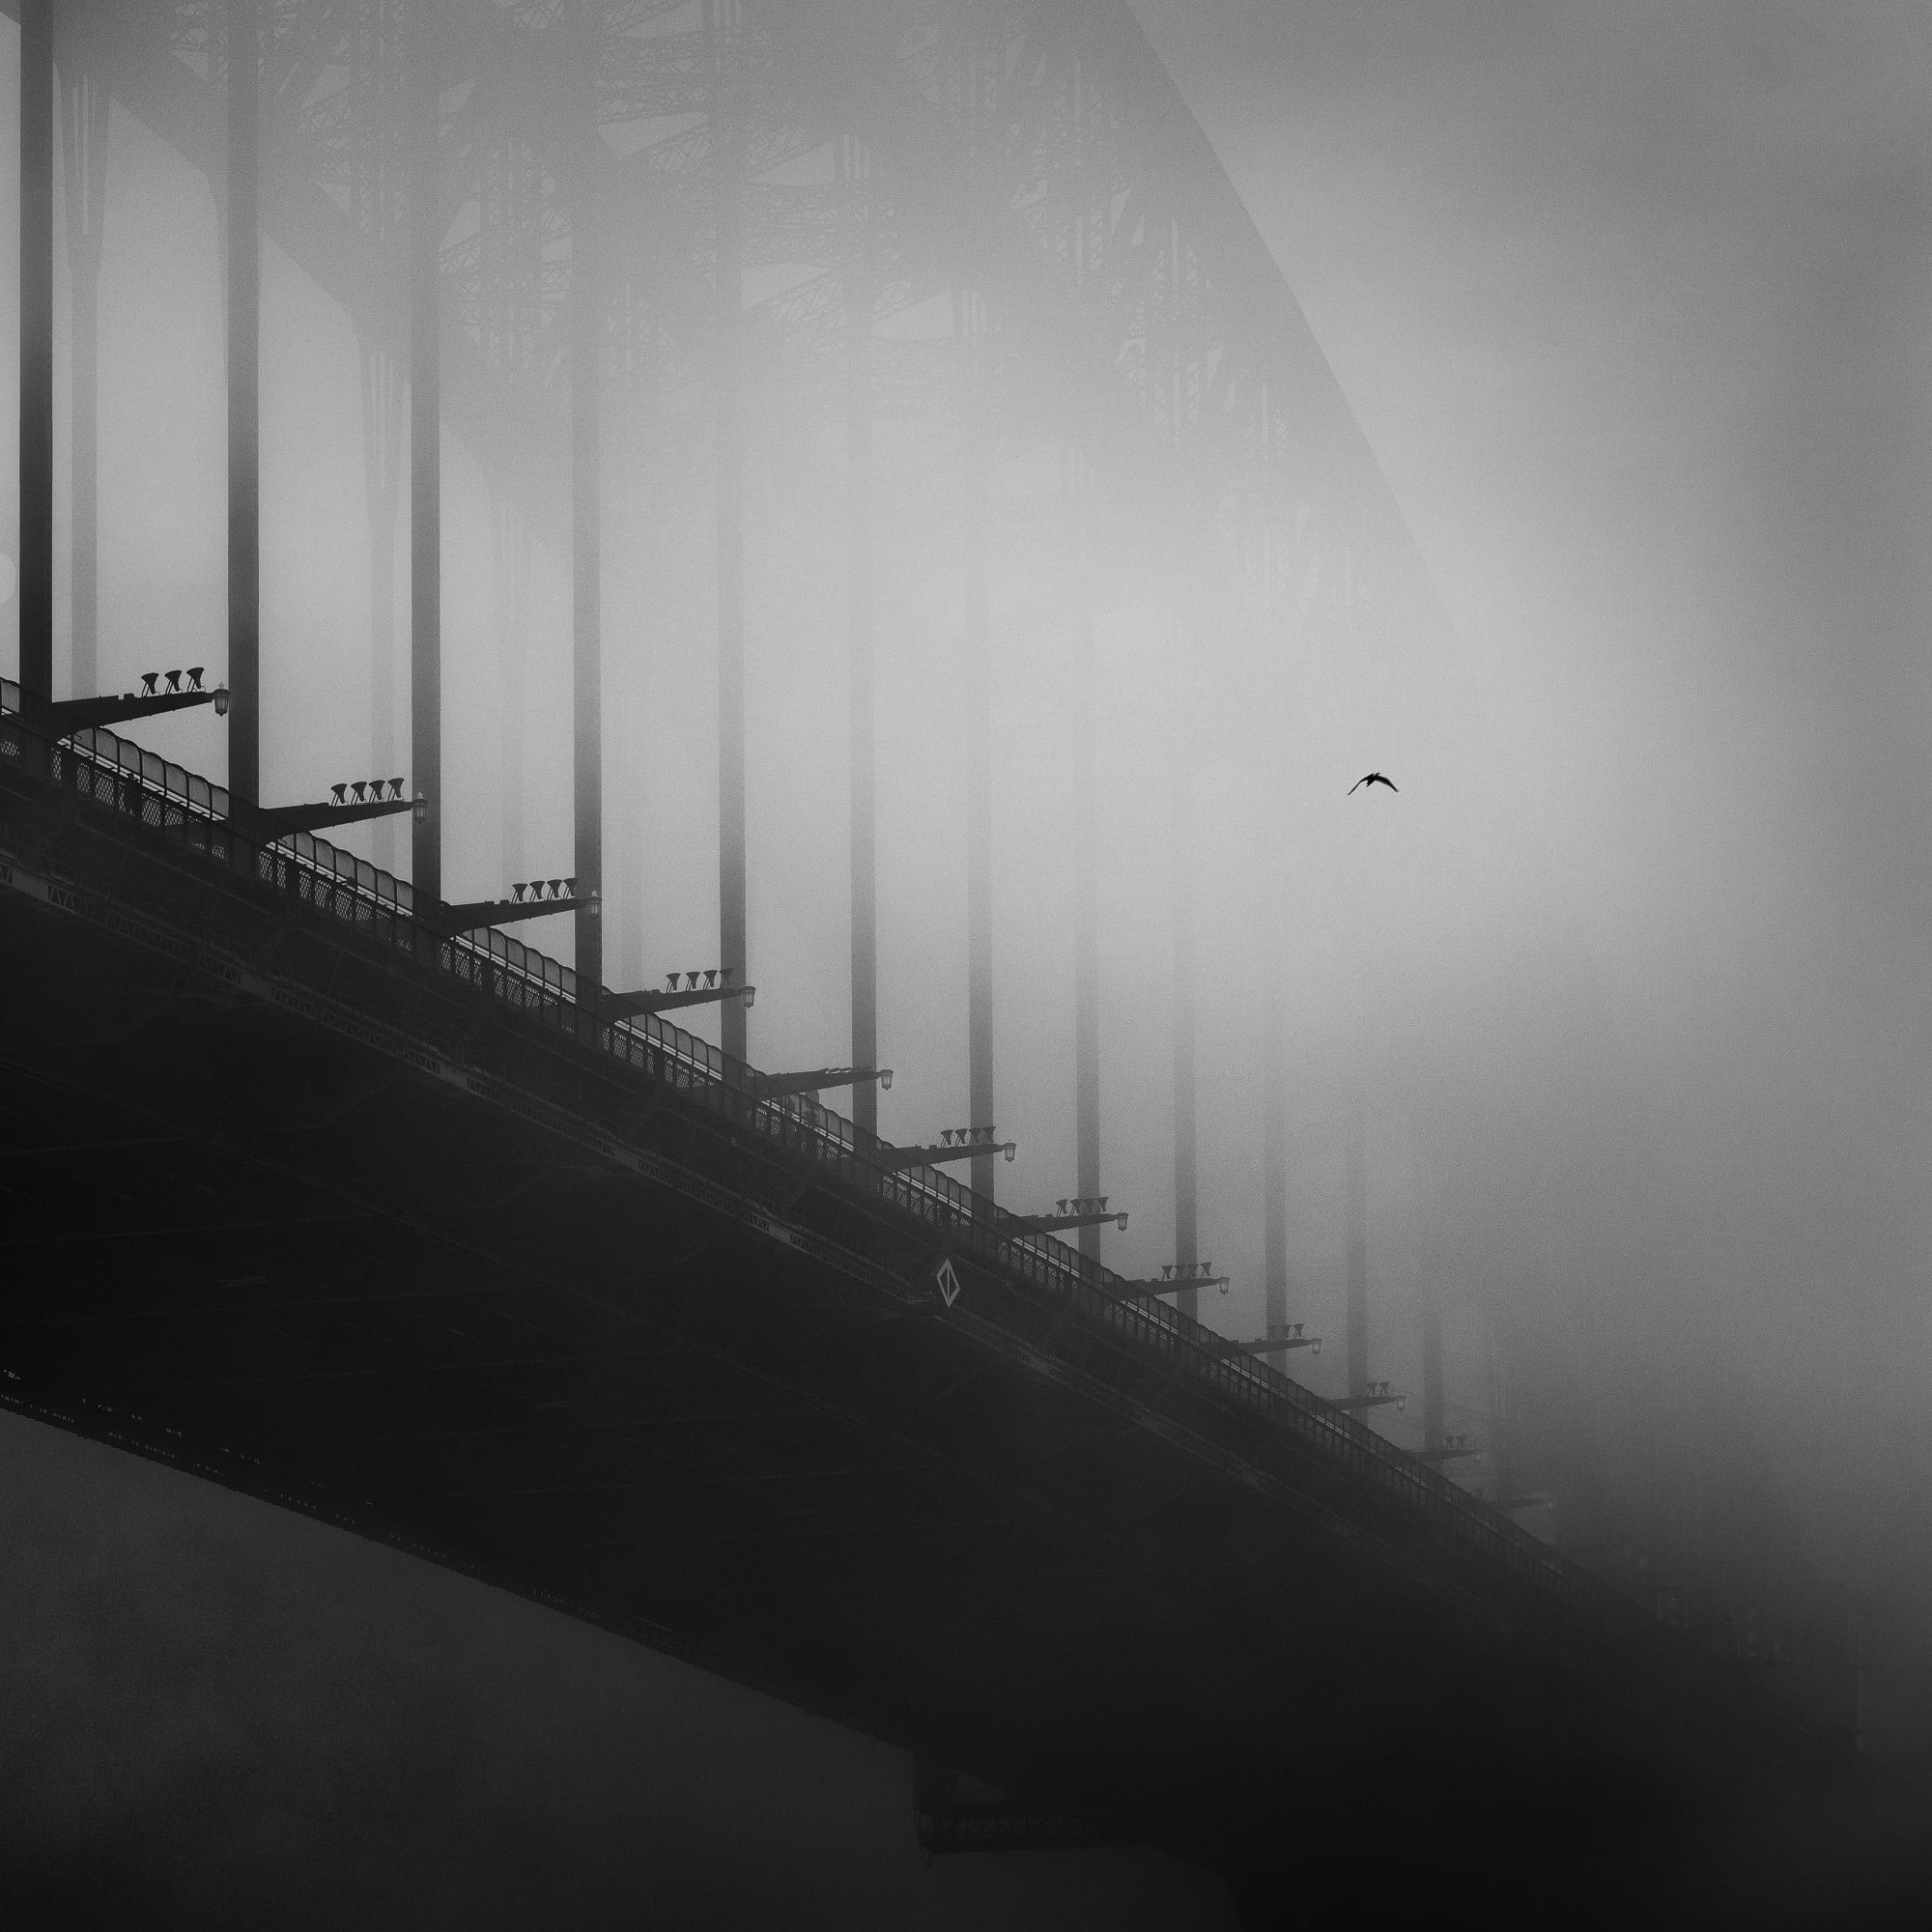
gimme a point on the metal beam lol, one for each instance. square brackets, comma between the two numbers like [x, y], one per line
[1086, 930]
[727, 170]
[1059, 1224]
[1355, 1402]
[245, 333]
[1268, 1345]
[1356, 1160]
[1432, 1365]
[425, 238]
[84, 200]
[970, 323]
[586, 499]
[37, 356]
[855, 167]
[472, 915]
[371, 38]
[282, 821]
[70, 714]
[1147, 1291]
[930, 1156]
[776, 1086]
[1186, 1222]
[630, 1006]
[1274, 1147]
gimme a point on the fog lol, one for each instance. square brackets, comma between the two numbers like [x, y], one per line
[1632, 303]
[1627, 986]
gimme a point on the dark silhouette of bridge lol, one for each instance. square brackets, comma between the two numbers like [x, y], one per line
[334, 1191]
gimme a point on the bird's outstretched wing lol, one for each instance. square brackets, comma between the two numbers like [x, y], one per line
[1390, 782]
[1357, 786]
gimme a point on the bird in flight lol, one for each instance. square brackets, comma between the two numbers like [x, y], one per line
[1373, 778]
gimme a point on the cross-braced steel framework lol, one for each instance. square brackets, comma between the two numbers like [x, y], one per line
[1021, 176]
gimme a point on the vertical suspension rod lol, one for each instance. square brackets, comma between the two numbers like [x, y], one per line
[425, 238]
[511, 263]
[381, 465]
[1431, 1362]
[1275, 1148]
[969, 321]
[979, 675]
[1274, 1077]
[1186, 1226]
[1086, 907]
[1186, 1197]
[858, 551]
[244, 320]
[640, 454]
[1359, 1252]
[377, 191]
[84, 150]
[586, 350]
[37, 354]
[1086, 836]
[1429, 1159]
[1086, 945]
[726, 163]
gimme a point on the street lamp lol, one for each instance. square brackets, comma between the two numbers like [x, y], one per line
[953, 1144]
[348, 804]
[79, 714]
[1175, 1276]
[1282, 1335]
[1378, 1396]
[705, 987]
[817, 1079]
[1091, 1211]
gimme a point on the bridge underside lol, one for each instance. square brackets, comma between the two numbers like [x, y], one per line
[241, 1239]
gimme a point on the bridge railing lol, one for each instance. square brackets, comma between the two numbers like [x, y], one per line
[98, 768]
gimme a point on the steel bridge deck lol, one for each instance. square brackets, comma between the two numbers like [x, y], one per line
[287, 1203]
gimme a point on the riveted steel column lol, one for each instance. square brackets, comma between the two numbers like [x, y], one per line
[244, 335]
[1187, 1227]
[511, 266]
[1358, 1256]
[1086, 936]
[587, 355]
[1430, 1159]
[1274, 1072]
[730, 401]
[979, 676]
[859, 558]
[380, 65]
[36, 354]
[640, 456]
[1275, 1148]
[383, 408]
[84, 150]
[425, 238]
[1432, 1363]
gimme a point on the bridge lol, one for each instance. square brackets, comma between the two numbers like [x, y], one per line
[328, 1187]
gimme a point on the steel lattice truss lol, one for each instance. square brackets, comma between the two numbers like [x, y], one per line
[1025, 162]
